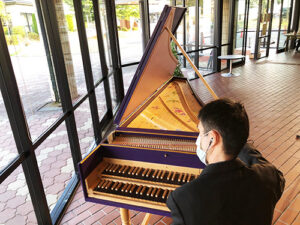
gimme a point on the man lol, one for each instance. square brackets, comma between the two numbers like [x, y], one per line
[238, 186]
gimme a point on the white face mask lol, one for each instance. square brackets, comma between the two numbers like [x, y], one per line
[200, 152]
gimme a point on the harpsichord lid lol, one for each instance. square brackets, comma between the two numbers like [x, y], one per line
[156, 66]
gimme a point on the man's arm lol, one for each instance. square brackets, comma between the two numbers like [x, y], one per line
[253, 159]
[175, 212]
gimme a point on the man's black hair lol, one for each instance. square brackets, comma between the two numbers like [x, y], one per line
[230, 120]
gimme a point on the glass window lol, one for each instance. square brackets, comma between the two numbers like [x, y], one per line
[155, 9]
[225, 22]
[71, 48]
[90, 27]
[8, 148]
[205, 63]
[264, 28]
[190, 18]
[129, 31]
[128, 73]
[101, 101]
[113, 93]
[239, 26]
[285, 13]
[32, 66]
[252, 25]
[55, 164]
[275, 24]
[105, 35]
[84, 126]
[15, 202]
[179, 31]
[206, 24]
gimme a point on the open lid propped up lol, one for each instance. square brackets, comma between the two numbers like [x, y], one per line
[156, 66]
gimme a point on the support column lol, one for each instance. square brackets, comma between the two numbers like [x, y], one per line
[63, 33]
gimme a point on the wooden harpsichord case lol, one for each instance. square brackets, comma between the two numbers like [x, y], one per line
[152, 151]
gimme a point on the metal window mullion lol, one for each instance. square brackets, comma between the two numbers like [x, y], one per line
[279, 27]
[196, 60]
[217, 35]
[184, 34]
[257, 41]
[231, 27]
[85, 55]
[15, 112]
[173, 3]
[115, 49]
[104, 68]
[289, 23]
[246, 19]
[295, 11]
[14, 164]
[144, 9]
[47, 51]
[290, 16]
[270, 29]
[49, 13]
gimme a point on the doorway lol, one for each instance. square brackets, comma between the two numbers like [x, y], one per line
[263, 31]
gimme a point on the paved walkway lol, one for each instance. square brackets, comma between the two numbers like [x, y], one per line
[268, 88]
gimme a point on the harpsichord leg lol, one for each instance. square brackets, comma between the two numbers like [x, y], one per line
[125, 216]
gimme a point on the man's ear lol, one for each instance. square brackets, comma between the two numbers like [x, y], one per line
[215, 138]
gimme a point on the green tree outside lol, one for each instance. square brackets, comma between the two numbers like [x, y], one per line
[124, 12]
[3, 16]
[87, 8]
[70, 22]
[34, 24]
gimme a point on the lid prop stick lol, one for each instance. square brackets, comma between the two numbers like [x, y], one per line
[192, 65]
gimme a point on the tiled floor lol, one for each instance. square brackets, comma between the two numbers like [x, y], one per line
[270, 91]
